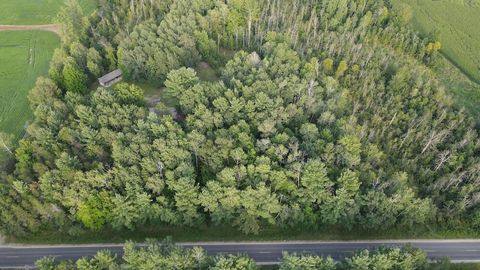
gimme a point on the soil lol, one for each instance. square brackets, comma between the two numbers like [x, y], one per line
[55, 28]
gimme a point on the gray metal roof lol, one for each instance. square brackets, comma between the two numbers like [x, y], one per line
[110, 76]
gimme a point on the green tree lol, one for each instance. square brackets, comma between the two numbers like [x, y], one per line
[306, 262]
[178, 83]
[130, 210]
[129, 94]
[328, 65]
[46, 263]
[349, 151]
[94, 212]
[208, 48]
[232, 262]
[74, 78]
[317, 187]
[94, 62]
[72, 21]
[257, 205]
[45, 92]
[341, 69]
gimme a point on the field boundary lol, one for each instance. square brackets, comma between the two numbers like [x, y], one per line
[460, 68]
[55, 28]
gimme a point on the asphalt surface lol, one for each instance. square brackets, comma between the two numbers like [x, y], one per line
[23, 257]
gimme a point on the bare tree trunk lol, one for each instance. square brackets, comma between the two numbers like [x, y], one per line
[444, 157]
[3, 141]
[6, 148]
[310, 88]
[249, 27]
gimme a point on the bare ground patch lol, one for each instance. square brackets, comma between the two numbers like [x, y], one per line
[55, 28]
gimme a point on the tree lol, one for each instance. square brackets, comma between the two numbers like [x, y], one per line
[179, 83]
[130, 210]
[343, 207]
[45, 92]
[306, 262]
[244, 13]
[152, 50]
[311, 124]
[349, 151]
[221, 202]
[207, 48]
[46, 263]
[163, 256]
[232, 262]
[342, 67]
[94, 62]
[167, 255]
[387, 258]
[257, 205]
[328, 65]
[72, 21]
[94, 213]
[74, 78]
[186, 200]
[129, 94]
[102, 260]
[317, 187]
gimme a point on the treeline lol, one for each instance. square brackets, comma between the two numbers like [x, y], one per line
[335, 121]
[167, 255]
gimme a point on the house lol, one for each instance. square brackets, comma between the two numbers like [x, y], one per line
[111, 78]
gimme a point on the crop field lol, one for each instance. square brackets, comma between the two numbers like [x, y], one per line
[465, 92]
[35, 11]
[458, 22]
[25, 55]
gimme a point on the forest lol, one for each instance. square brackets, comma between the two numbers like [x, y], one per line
[327, 114]
[167, 255]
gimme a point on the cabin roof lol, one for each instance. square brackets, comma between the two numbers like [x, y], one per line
[110, 76]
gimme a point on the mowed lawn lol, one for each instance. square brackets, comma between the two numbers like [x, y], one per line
[24, 56]
[26, 12]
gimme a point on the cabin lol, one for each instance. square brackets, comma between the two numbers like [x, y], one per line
[111, 78]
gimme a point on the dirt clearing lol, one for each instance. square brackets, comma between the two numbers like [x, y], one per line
[55, 28]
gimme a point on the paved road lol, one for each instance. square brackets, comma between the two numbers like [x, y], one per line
[13, 256]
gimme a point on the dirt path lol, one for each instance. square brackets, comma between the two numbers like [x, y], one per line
[46, 27]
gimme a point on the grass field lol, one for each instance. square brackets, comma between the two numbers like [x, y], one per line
[465, 92]
[458, 22]
[25, 55]
[35, 11]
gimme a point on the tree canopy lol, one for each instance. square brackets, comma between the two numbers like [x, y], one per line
[328, 114]
[166, 255]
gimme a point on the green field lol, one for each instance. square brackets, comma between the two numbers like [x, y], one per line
[35, 11]
[458, 23]
[465, 92]
[24, 55]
